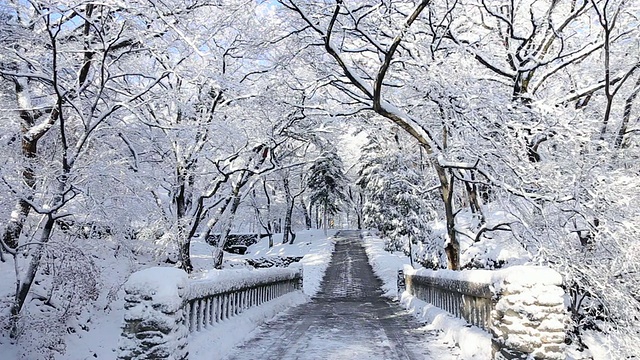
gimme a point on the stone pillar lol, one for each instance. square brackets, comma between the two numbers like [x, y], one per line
[529, 318]
[400, 283]
[154, 318]
[300, 285]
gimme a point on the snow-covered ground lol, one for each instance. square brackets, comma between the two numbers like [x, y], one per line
[94, 334]
[313, 246]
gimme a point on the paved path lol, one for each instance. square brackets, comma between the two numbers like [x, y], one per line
[348, 319]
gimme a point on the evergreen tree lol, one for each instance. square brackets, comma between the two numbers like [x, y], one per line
[327, 182]
[396, 198]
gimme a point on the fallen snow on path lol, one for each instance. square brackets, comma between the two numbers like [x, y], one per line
[474, 343]
[347, 321]
[384, 263]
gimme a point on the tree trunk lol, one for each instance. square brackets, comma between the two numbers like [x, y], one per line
[627, 115]
[218, 255]
[324, 219]
[15, 225]
[182, 199]
[607, 76]
[289, 212]
[21, 211]
[184, 250]
[25, 285]
[411, 251]
[452, 249]
[474, 199]
[268, 227]
[307, 216]
[359, 211]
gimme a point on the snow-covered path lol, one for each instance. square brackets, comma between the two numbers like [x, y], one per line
[347, 320]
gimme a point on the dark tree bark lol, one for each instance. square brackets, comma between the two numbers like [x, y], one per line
[306, 211]
[289, 211]
[626, 116]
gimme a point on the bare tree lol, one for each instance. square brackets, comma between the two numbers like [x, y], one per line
[82, 78]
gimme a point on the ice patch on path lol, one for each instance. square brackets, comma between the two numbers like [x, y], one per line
[218, 341]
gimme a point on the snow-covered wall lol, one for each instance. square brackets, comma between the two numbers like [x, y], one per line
[162, 305]
[528, 316]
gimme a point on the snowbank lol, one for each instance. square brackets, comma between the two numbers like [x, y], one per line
[313, 246]
[474, 343]
[384, 263]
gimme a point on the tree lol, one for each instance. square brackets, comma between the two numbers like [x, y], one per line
[363, 69]
[397, 197]
[327, 183]
[80, 77]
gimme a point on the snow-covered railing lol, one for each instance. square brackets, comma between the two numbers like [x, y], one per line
[464, 299]
[210, 302]
[522, 307]
[163, 305]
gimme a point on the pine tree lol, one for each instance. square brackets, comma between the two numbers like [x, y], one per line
[327, 182]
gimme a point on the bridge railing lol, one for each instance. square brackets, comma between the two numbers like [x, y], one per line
[521, 307]
[164, 305]
[209, 303]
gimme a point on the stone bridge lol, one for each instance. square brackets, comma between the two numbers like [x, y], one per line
[522, 310]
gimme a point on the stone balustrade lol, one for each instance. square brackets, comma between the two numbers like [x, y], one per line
[163, 305]
[521, 307]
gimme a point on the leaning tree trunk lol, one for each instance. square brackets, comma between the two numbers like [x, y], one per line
[627, 116]
[23, 287]
[218, 251]
[30, 140]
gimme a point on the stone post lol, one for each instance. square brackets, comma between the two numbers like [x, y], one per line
[300, 285]
[400, 283]
[154, 318]
[529, 318]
